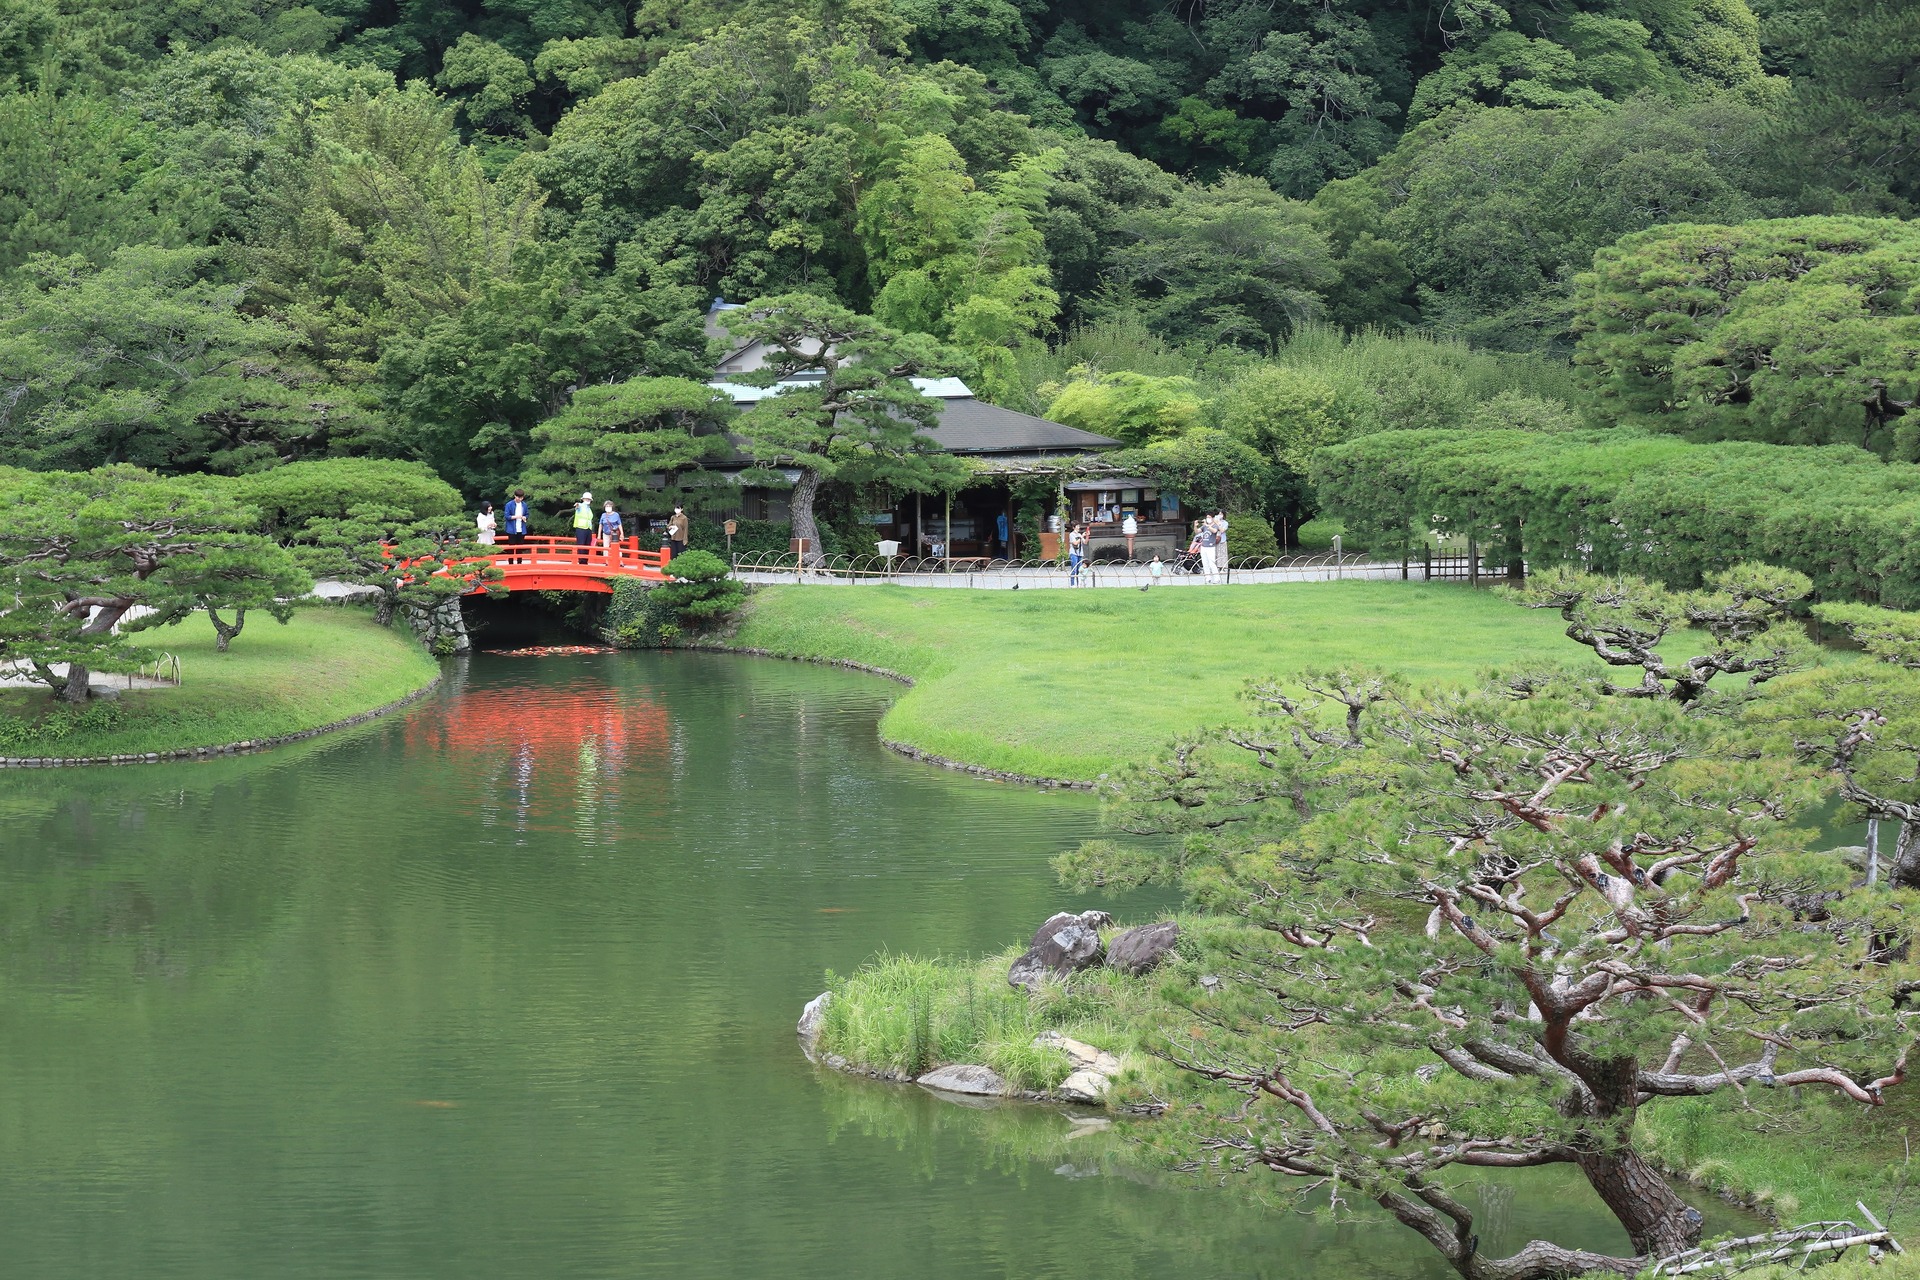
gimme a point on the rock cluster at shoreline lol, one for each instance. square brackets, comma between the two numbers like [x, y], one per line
[1065, 944]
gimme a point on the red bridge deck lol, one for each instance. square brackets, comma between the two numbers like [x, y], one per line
[559, 564]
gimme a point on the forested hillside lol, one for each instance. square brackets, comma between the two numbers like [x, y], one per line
[236, 233]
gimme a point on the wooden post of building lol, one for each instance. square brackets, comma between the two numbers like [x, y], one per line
[946, 535]
[919, 541]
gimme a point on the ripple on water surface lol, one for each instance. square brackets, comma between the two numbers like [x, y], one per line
[506, 987]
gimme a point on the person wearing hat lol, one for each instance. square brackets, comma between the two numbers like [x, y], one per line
[583, 524]
[677, 535]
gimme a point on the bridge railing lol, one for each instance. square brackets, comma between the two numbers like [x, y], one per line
[549, 558]
[619, 559]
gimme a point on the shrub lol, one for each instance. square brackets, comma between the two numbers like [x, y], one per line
[56, 724]
[327, 488]
[703, 594]
[1250, 538]
[634, 619]
[1623, 501]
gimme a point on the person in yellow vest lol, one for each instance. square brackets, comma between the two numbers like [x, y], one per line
[583, 524]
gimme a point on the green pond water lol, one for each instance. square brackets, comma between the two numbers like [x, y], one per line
[506, 987]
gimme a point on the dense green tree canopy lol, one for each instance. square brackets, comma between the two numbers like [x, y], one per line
[243, 233]
[640, 443]
[1794, 331]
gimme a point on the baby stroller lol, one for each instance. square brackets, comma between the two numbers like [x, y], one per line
[1187, 562]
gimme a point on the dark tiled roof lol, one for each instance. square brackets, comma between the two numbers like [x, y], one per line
[972, 427]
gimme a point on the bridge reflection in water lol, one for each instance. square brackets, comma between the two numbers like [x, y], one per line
[583, 756]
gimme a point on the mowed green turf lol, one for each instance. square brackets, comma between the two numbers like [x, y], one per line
[323, 666]
[1071, 684]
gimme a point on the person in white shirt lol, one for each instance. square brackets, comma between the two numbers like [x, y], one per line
[484, 525]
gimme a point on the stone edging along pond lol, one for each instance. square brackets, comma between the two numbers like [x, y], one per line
[227, 749]
[906, 749]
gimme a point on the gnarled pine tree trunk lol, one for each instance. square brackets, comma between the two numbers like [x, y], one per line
[1657, 1220]
[805, 489]
[224, 634]
[79, 680]
[1903, 869]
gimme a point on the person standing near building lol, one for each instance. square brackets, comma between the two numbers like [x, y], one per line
[1220, 547]
[484, 525]
[516, 524]
[583, 524]
[611, 530]
[1208, 539]
[1130, 529]
[677, 535]
[1004, 527]
[1076, 553]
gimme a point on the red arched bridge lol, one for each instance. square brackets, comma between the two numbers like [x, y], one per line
[561, 564]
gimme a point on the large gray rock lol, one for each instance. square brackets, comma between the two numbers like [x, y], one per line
[1085, 1086]
[1082, 1055]
[964, 1077]
[1061, 919]
[1139, 949]
[1066, 943]
[808, 1028]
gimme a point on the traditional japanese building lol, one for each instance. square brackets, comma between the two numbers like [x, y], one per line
[1004, 446]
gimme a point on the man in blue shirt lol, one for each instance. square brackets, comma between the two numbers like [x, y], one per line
[516, 514]
[1004, 527]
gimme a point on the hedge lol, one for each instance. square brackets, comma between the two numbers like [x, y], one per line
[1652, 505]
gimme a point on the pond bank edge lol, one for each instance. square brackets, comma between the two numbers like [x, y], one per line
[900, 748]
[244, 747]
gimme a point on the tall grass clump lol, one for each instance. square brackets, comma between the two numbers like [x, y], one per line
[912, 1015]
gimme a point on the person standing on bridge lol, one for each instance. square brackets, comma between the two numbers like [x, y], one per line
[611, 530]
[677, 535]
[484, 525]
[583, 524]
[516, 524]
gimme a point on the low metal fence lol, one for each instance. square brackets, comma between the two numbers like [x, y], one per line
[987, 572]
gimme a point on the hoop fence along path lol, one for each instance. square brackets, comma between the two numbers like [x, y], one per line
[1013, 575]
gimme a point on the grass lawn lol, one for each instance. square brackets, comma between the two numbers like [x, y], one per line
[1070, 684]
[323, 666]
